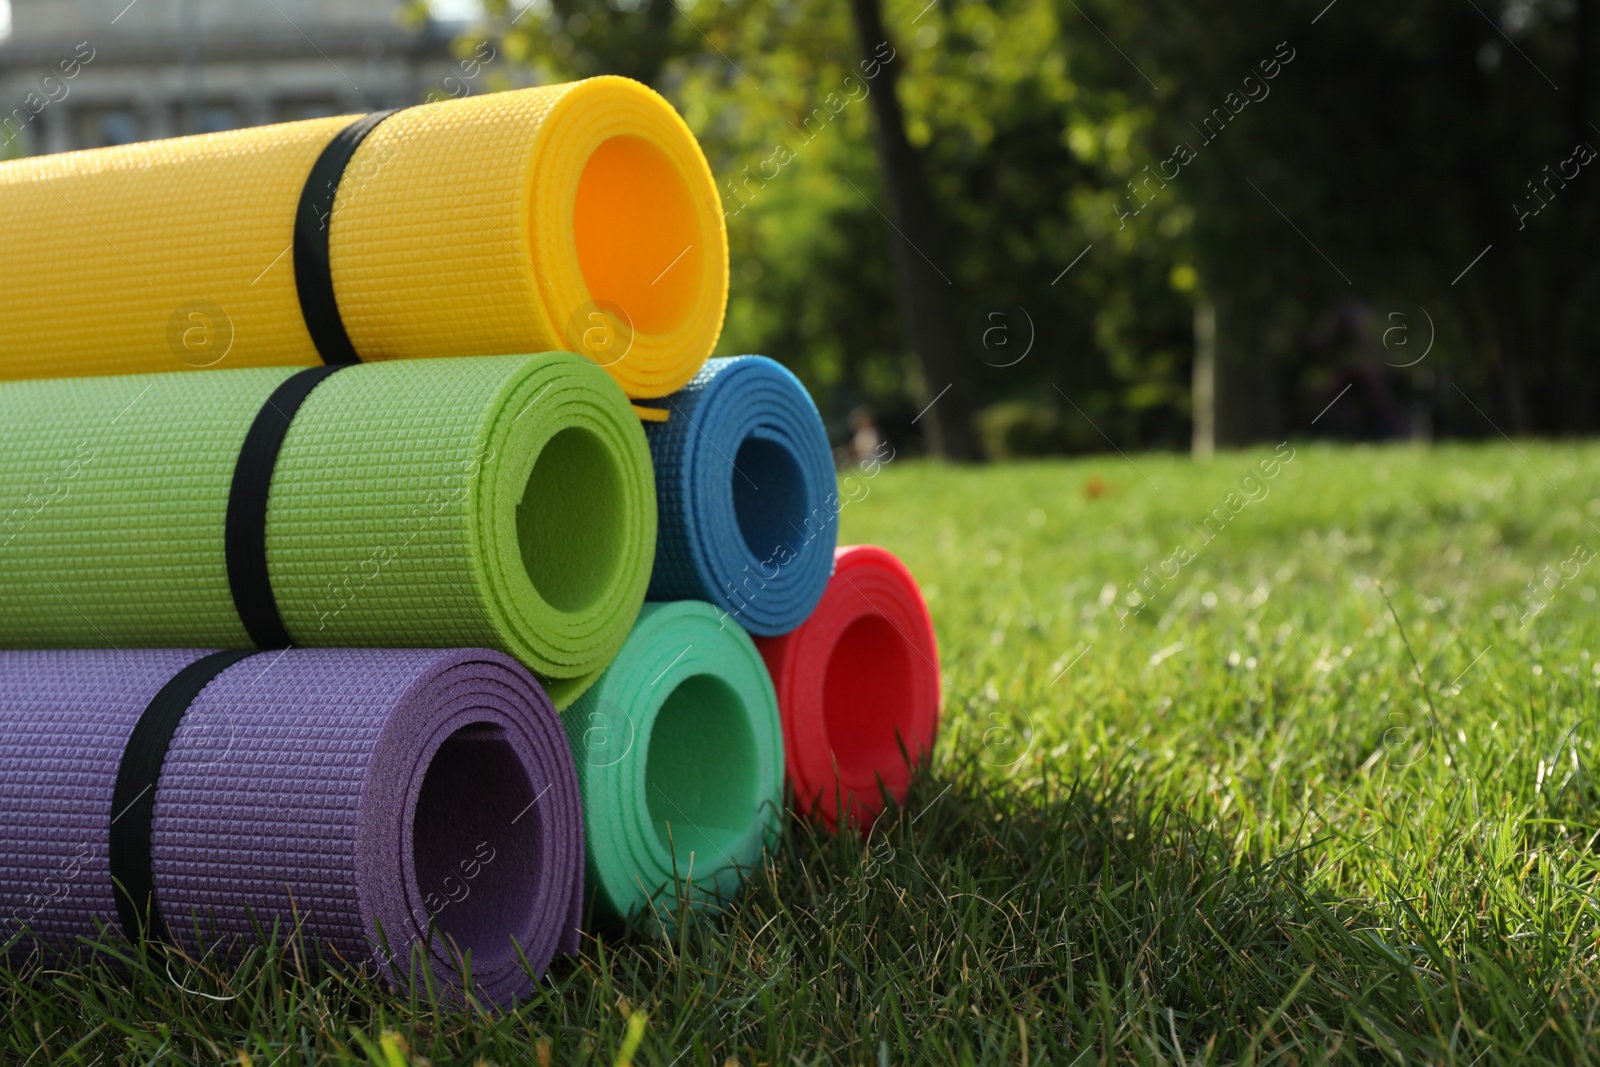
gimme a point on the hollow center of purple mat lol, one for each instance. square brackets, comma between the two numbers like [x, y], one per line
[700, 773]
[475, 843]
[769, 496]
[867, 700]
[571, 519]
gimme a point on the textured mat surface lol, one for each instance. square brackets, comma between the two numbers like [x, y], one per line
[746, 494]
[503, 502]
[858, 685]
[680, 759]
[579, 216]
[426, 794]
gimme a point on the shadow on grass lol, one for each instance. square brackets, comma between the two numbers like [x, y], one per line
[1058, 921]
[1089, 923]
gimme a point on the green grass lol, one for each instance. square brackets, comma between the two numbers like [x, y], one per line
[1254, 821]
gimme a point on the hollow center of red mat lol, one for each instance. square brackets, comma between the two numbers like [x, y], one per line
[867, 701]
[637, 234]
[475, 846]
[769, 497]
[570, 520]
[700, 773]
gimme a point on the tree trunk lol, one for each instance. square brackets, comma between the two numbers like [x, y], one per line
[1245, 404]
[1586, 34]
[1203, 387]
[925, 292]
[1492, 281]
[657, 43]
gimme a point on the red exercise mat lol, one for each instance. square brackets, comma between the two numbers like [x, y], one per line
[858, 688]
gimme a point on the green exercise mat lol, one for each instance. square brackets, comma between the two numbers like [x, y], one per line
[504, 502]
[680, 763]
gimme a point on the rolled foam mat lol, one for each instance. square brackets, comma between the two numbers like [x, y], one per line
[504, 502]
[858, 685]
[680, 760]
[580, 216]
[392, 803]
[746, 495]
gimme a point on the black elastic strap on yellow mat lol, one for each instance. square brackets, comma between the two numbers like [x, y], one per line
[245, 529]
[133, 798]
[313, 275]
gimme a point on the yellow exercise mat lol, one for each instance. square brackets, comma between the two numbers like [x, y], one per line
[579, 216]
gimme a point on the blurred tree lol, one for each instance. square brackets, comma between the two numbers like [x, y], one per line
[924, 289]
[1395, 148]
[1111, 194]
[791, 98]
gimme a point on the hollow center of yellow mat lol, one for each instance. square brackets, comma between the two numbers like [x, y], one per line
[475, 863]
[570, 521]
[636, 232]
[700, 773]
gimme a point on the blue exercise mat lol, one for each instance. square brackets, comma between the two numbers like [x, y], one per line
[747, 500]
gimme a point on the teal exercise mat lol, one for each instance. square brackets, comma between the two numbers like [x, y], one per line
[505, 502]
[679, 751]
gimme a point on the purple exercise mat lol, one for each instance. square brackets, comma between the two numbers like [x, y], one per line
[346, 790]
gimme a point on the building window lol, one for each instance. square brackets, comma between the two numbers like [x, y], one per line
[216, 118]
[296, 110]
[113, 128]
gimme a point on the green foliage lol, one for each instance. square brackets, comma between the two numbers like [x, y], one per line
[11, 145]
[777, 95]
[1255, 820]
[1380, 159]
[1376, 165]
[1017, 429]
[1385, 152]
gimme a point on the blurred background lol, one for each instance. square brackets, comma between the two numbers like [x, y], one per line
[1018, 227]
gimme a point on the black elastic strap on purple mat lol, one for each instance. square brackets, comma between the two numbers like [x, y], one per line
[133, 798]
[245, 528]
[313, 274]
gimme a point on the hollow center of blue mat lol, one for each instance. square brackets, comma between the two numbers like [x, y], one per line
[769, 496]
[700, 774]
[475, 847]
[570, 520]
[867, 699]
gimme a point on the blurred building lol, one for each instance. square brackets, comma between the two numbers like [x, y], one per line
[87, 73]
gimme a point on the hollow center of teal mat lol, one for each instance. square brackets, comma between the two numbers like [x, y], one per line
[476, 862]
[769, 497]
[867, 700]
[570, 522]
[700, 774]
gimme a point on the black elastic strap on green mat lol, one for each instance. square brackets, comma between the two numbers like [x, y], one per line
[313, 275]
[245, 530]
[133, 798]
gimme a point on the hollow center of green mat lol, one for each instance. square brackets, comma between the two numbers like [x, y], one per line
[700, 774]
[476, 863]
[637, 233]
[867, 699]
[570, 521]
[769, 496]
